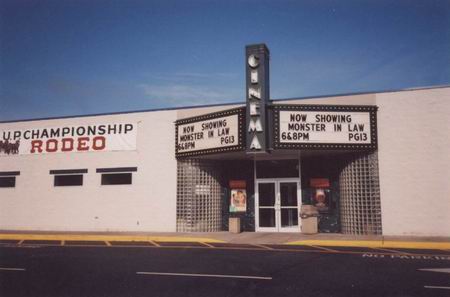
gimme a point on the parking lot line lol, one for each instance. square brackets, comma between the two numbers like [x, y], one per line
[12, 269]
[441, 270]
[325, 249]
[437, 287]
[263, 246]
[204, 275]
[154, 243]
[389, 250]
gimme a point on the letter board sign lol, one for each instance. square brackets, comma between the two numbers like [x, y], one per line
[210, 133]
[325, 127]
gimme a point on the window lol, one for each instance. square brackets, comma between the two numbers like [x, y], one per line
[277, 168]
[116, 179]
[117, 175]
[8, 179]
[68, 180]
[68, 177]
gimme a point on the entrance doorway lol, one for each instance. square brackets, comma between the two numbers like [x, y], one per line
[277, 203]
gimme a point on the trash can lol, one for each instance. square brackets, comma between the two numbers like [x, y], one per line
[234, 225]
[308, 215]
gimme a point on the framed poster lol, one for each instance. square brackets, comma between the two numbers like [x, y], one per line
[321, 194]
[238, 201]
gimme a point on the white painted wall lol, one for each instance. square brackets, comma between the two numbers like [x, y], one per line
[198, 111]
[414, 161]
[360, 99]
[414, 158]
[149, 204]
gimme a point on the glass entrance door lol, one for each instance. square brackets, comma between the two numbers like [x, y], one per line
[277, 204]
[266, 201]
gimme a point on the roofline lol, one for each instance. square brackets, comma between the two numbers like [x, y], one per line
[366, 93]
[120, 112]
[223, 104]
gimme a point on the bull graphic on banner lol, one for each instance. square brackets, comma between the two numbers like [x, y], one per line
[8, 148]
[68, 139]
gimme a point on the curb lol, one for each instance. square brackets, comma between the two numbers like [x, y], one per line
[314, 242]
[92, 237]
[376, 244]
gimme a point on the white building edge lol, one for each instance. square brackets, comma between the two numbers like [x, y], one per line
[413, 163]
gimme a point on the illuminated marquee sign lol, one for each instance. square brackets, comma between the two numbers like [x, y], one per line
[211, 133]
[69, 139]
[325, 127]
[257, 69]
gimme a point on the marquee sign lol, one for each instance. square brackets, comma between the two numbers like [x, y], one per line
[325, 127]
[257, 83]
[211, 133]
[69, 139]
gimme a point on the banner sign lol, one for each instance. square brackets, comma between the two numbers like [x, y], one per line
[210, 133]
[325, 127]
[69, 139]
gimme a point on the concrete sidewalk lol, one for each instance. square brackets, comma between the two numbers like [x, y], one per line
[241, 238]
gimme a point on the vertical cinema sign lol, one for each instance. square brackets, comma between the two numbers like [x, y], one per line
[257, 83]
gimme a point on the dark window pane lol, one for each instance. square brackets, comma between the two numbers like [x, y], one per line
[116, 179]
[288, 192]
[277, 168]
[289, 217]
[266, 217]
[68, 180]
[117, 169]
[266, 193]
[7, 181]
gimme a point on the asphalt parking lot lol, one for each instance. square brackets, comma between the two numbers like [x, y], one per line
[158, 268]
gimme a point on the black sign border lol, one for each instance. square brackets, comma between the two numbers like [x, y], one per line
[240, 111]
[334, 108]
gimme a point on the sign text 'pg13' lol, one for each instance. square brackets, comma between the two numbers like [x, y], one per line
[258, 94]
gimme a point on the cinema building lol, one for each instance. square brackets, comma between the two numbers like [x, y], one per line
[372, 163]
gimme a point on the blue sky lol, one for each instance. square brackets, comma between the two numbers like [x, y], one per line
[61, 58]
